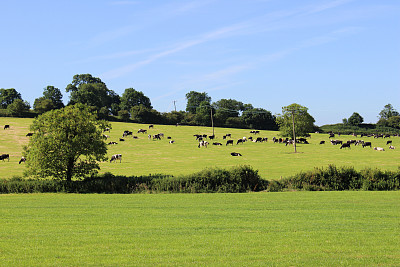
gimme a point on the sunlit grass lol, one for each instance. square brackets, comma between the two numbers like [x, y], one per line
[143, 156]
[284, 229]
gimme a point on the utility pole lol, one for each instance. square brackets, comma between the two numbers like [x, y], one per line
[212, 120]
[293, 110]
[174, 104]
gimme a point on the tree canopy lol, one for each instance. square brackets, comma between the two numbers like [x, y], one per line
[304, 122]
[194, 99]
[7, 96]
[66, 143]
[355, 119]
[131, 98]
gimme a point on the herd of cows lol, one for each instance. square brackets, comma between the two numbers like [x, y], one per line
[203, 141]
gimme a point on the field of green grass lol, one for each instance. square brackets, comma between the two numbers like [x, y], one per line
[255, 229]
[143, 156]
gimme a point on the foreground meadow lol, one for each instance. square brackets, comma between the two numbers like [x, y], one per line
[143, 156]
[273, 229]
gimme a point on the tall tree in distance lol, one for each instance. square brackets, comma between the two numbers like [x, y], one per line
[67, 143]
[304, 122]
[131, 98]
[55, 95]
[387, 112]
[194, 99]
[7, 96]
[355, 119]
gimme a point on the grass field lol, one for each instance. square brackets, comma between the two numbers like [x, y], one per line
[143, 156]
[253, 229]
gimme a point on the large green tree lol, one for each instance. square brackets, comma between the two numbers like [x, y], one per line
[66, 143]
[91, 91]
[304, 122]
[7, 96]
[259, 118]
[194, 99]
[355, 119]
[55, 95]
[18, 107]
[227, 108]
[131, 98]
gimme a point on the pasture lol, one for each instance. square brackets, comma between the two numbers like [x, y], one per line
[253, 229]
[144, 156]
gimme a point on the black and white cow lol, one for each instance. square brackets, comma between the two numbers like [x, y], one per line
[23, 159]
[229, 142]
[5, 156]
[203, 143]
[366, 144]
[344, 145]
[116, 157]
[236, 154]
[6, 126]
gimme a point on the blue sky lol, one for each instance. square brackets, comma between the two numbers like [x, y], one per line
[335, 57]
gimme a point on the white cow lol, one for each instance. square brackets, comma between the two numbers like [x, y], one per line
[379, 149]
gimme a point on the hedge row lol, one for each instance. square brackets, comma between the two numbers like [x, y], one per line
[337, 179]
[235, 180]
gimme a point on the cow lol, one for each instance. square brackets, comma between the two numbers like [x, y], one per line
[379, 149]
[202, 143]
[29, 134]
[345, 145]
[229, 142]
[23, 159]
[366, 144]
[126, 133]
[157, 137]
[322, 142]
[228, 135]
[259, 139]
[235, 154]
[331, 135]
[391, 147]
[116, 157]
[389, 142]
[212, 137]
[171, 141]
[142, 131]
[240, 141]
[151, 126]
[121, 139]
[217, 144]
[6, 126]
[5, 156]
[112, 143]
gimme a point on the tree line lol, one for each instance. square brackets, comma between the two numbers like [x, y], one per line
[134, 106]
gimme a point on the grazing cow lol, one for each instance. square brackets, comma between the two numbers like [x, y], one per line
[379, 149]
[229, 142]
[202, 143]
[5, 156]
[240, 141]
[126, 133]
[235, 154]
[171, 141]
[6, 126]
[366, 144]
[259, 139]
[228, 135]
[331, 135]
[217, 144]
[391, 147]
[135, 137]
[121, 139]
[116, 157]
[322, 142]
[23, 159]
[345, 145]
[212, 137]
[389, 142]
[142, 131]
[29, 134]
[169, 137]
[151, 126]
[157, 137]
[112, 143]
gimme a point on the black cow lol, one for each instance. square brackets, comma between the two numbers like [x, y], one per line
[240, 141]
[151, 126]
[126, 133]
[389, 142]
[366, 144]
[345, 145]
[142, 131]
[211, 137]
[235, 154]
[259, 139]
[29, 134]
[112, 143]
[121, 139]
[6, 126]
[116, 157]
[322, 142]
[229, 142]
[5, 156]
[217, 144]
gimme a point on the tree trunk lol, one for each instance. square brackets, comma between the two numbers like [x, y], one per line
[70, 168]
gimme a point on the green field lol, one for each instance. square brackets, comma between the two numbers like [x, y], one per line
[253, 229]
[143, 156]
